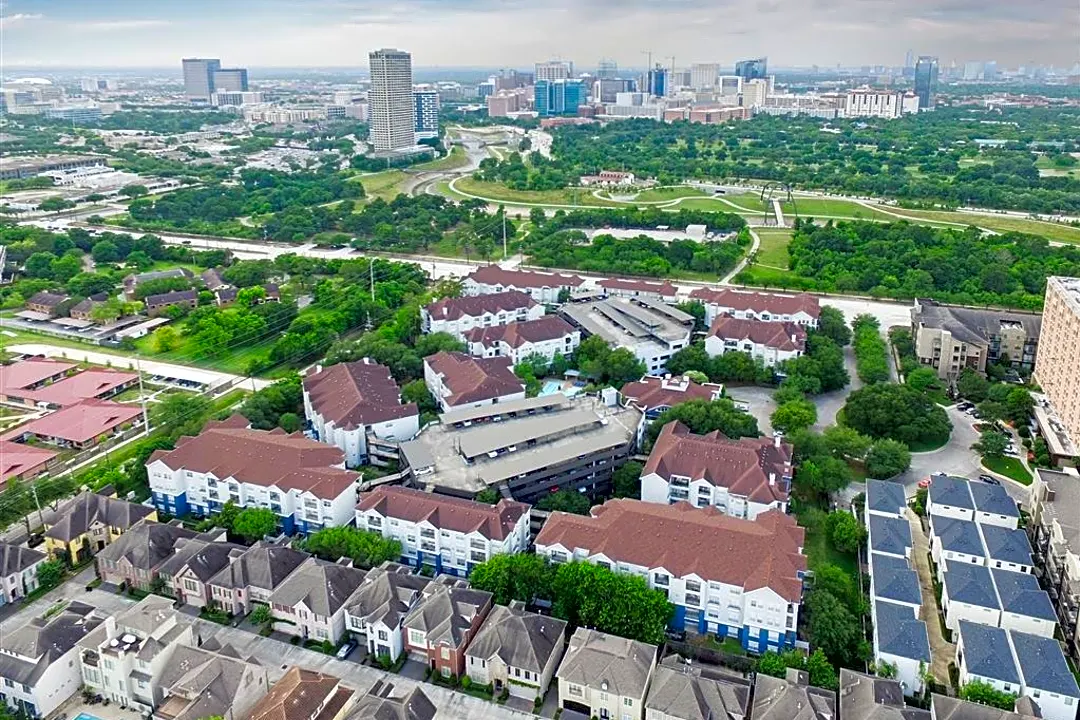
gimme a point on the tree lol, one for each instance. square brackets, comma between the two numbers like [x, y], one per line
[794, 415]
[822, 475]
[834, 629]
[437, 342]
[50, 574]
[884, 410]
[166, 339]
[181, 413]
[525, 371]
[887, 458]
[991, 444]
[569, 501]
[621, 604]
[977, 691]
[290, 422]
[366, 549]
[626, 480]
[255, 523]
[523, 577]
[489, 496]
[831, 324]
[226, 518]
[261, 615]
[1019, 405]
[844, 442]
[704, 416]
[840, 583]
[923, 379]
[972, 386]
[822, 673]
[250, 296]
[417, 392]
[847, 533]
[871, 353]
[991, 411]
[134, 191]
[39, 265]
[105, 252]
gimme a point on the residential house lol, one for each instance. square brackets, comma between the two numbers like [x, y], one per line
[46, 303]
[302, 481]
[304, 695]
[383, 703]
[84, 309]
[955, 541]
[28, 375]
[310, 603]
[884, 497]
[378, 608]
[133, 559]
[622, 287]
[131, 282]
[866, 697]
[194, 563]
[517, 651]
[158, 304]
[458, 315]
[542, 287]
[201, 683]
[81, 425]
[1007, 548]
[18, 571]
[605, 675]
[39, 668]
[443, 622]
[212, 279]
[351, 405]
[227, 295]
[253, 576]
[124, 658]
[544, 337]
[893, 579]
[943, 707]
[967, 593]
[800, 309]
[1025, 606]
[459, 381]
[791, 698]
[23, 462]
[742, 478]
[84, 525]
[951, 339]
[449, 535]
[889, 535]
[653, 394]
[1054, 527]
[961, 499]
[726, 576]
[770, 342]
[901, 639]
[683, 691]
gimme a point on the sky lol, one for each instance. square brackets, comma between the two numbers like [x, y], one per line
[517, 33]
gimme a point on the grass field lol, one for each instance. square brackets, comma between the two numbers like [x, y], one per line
[385, 185]
[1009, 467]
[819, 551]
[773, 249]
[712, 204]
[662, 194]
[453, 161]
[497, 192]
[999, 223]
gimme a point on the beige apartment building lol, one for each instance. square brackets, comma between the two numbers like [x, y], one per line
[1057, 370]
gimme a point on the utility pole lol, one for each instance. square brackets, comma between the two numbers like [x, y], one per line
[41, 517]
[503, 210]
[142, 394]
[371, 267]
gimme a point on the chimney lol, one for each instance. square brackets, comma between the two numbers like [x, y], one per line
[772, 479]
[776, 439]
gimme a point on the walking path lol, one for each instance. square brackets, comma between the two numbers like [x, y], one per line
[942, 652]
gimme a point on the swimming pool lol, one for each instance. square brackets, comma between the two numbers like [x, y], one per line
[86, 716]
[553, 386]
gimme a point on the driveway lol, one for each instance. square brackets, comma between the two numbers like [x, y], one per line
[942, 652]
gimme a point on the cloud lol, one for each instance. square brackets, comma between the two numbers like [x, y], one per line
[118, 25]
[10, 21]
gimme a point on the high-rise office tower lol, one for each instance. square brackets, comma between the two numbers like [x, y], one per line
[607, 69]
[558, 97]
[199, 77]
[926, 74]
[703, 76]
[752, 69]
[426, 103]
[231, 80]
[656, 81]
[393, 110]
[554, 70]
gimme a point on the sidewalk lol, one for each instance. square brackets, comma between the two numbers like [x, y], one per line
[942, 652]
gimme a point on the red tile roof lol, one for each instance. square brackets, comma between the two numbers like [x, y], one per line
[742, 466]
[357, 393]
[472, 379]
[476, 305]
[494, 522]
[759, 302]
[685, 540]
[268, 458]
[26, 373]
[664, 289]
[780, 335]
[80, 422]
[87, 384]
[18, 459]
[495, 275]
[516, 334]
[653, 391]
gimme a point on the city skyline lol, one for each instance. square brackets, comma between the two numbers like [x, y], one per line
[338, 33]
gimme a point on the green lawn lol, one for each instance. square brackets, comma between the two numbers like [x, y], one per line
[661, 194]
[1010, 467]
[999, 223]
[819, 551]
[773, 250]
[711, 204]
[497, 192]
[385, 185]
[453, 161]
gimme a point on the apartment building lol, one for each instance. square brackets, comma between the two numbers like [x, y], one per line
[310, 602]
[443, 622]
[742, 478]
[800, 309]
[605, 675]
[29, 375]
[546, 337]
[253, 576]
[186, 300]
[516, 650]
[459, 315]
[650, 329]
[1056, 369]
[350, 403]
[1054, 529]
[868, 102]
[378, 608]
[302, 481]
[751, 591]
[770, 342]
[458, 381]
[624, 288]
[951, 339]
[446, 534]
[653, 394]
[547, 288]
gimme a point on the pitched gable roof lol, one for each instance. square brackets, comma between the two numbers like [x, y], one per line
[516, 334]
[146, 545]
[598, 660]
[355, 394]
[787, 336]
[693, 692]
[497, 276]
[444, 512]
[87, 509]
[324, 587]
[263, 566]
[446, 611]
[759, 302]
[520, 639]
[455, 308]
[298, 695]
[472, 379]
[653, 391]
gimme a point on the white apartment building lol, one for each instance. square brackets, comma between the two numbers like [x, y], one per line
[457, 316]
[547, 337]
[678, 554]
[800, 309]
[458, 381]
[545, 288]
[771, 342]
[867, 102]
[450, 535]
[393, 113]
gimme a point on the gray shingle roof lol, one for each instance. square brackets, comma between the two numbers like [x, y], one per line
[1043, 664]
[952, 491]
[894, 579]
[781, 699]
[1020, 593]
[1006, 544]
[885, 496]
[382, 703]
[46, 641]
[971, 584]
[205, 559]
[987, 653]
[387, 594]
[947, 708]
[596, 660]
[263, 566]
[324, 587]
[993, 499]
[446, 611]
[691, 692]
[899, 632]
[521, 639]
[889, 535]
[146, 545]
[87, 509]
[16, 558]
[203, 684]
[865, 697]
[960, 536]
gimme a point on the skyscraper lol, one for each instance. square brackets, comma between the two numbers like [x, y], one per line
[393, 110]
[426, 103]
[558, 97]
[703, 76]
[607, 69]
[752, 69]
[231, 80]
[199, 77]
[656, 81]
[926, 74]
[554, 70]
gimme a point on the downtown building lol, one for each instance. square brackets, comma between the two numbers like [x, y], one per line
[393, 108]
[1057, 368]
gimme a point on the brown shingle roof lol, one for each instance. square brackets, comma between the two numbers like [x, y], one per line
[664, 289]
[171, 297]
[495, 275]
[653, 391]
[455, 308]
[516, 334]
[742, 466]
[357, 393]
[261, 457]
[686, 540]
[473, 379]
[47, 299]
[779, 335]
[759, 302]
[296, 696]
[494, 522]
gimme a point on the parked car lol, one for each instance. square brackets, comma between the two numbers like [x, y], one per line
[346, 649]
[924, 483]
[965, 406]
[989, 480]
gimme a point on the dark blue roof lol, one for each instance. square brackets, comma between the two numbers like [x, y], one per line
[885, 496]
[889, 535]
[894, 579]
[993, 499]
[900, 633]
[1006, 544]
[971, 584]
[958, 535]
[1043, 664]
[953, 491]
[1020, 593]
[987, 653]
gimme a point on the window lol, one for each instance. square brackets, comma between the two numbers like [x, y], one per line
[445, 653]
[417, 638]
[628, 702]
[383, 635]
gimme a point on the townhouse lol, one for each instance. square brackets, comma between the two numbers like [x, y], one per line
[894, 580]
[681, 691]
[742, 478]
[885, 498]
[866, 697]
[962, 499]
[994, 546]
[39, 666]
[252, 577]
[546, 337]
[310, 603]
[303, 694]
[901, 639]
[302, 481]
[458, 381]
[134, 558]
[443, 622]
[996, 597]
[353, 405]
[211, 681]
[948, 708]
[187, 573]
[889, 536]
[653, 394]
[605, 675]
[447, 534]
[18, 571]
[45, 304]
[547, 288]
[801, 309]
[517, 651]
[725, 576]
[1054, 528]
[86, 524]
[769, 342]
[791, 698]
[458, 315]
[378, 608]
[382, 702]
[185, 300]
